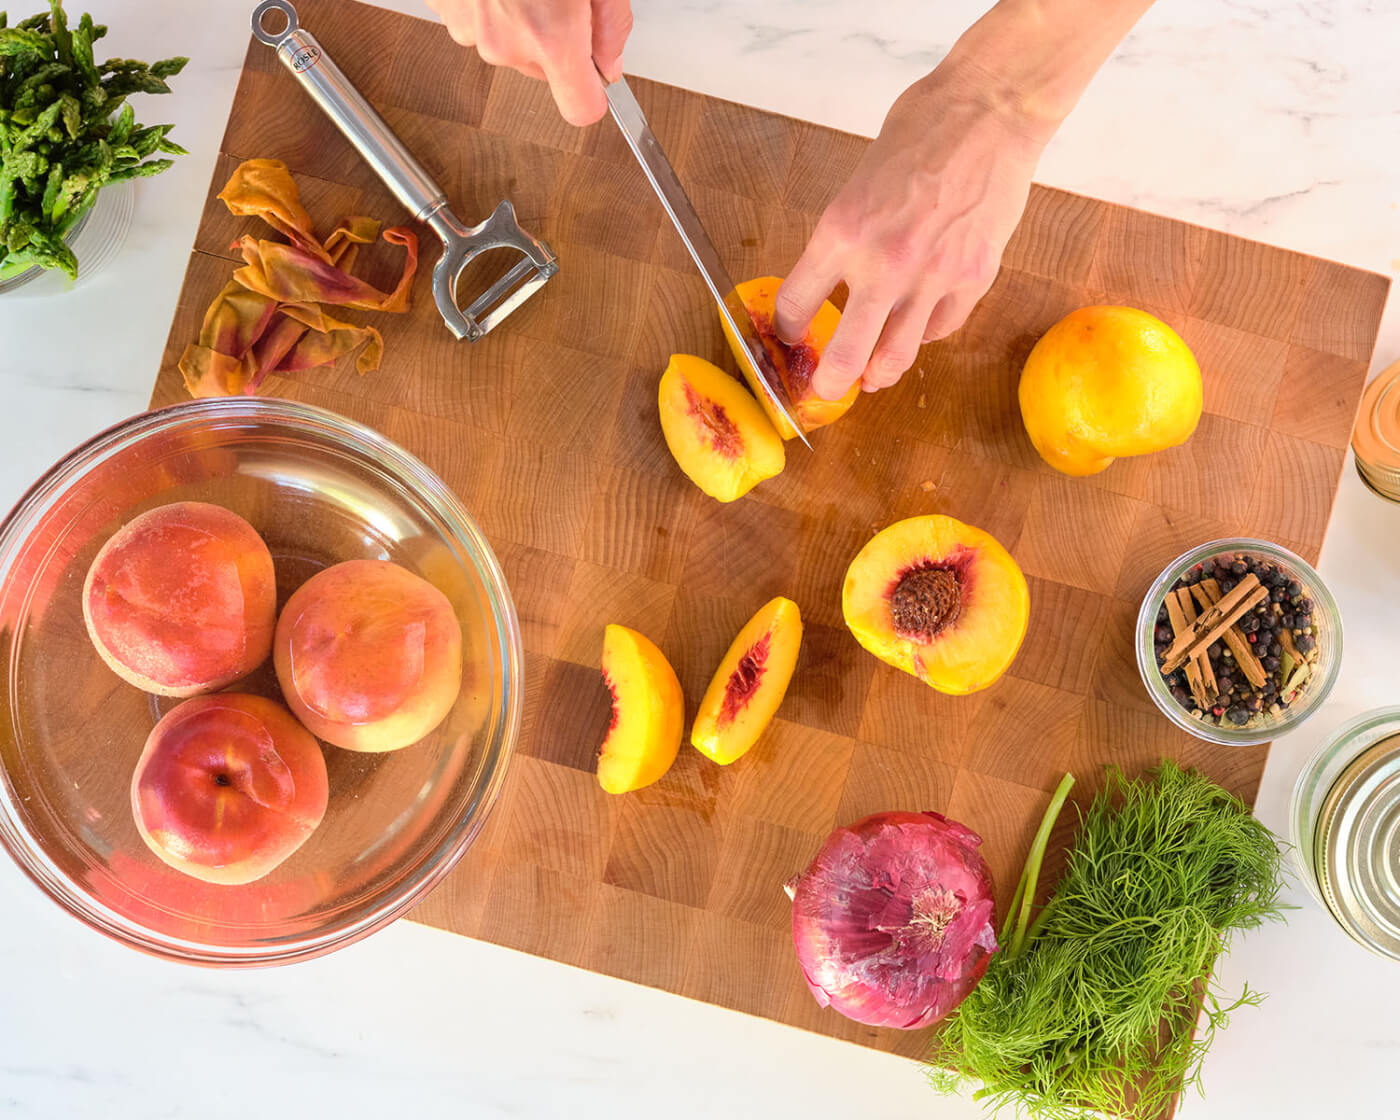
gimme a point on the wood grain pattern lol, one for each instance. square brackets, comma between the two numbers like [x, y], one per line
[548, 430]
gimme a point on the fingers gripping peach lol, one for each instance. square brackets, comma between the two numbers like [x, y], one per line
[795, 364]
[369, 655]
[182, 599]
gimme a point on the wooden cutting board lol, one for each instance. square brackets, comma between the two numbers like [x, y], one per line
[548, 430]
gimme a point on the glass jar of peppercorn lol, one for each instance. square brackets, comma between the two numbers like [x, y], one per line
[1238, 641]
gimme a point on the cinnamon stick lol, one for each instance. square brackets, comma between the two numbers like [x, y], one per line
[1181, 628]
[1202, 658]
[1208, 593]
[1210, 626]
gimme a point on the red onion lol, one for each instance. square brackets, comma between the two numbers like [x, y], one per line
[893, 921]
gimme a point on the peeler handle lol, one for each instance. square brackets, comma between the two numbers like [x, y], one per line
[353, 115]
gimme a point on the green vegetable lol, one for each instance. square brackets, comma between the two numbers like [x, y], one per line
[66, 132]
[1095, 1007]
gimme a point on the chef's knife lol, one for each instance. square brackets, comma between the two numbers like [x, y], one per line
[640, 138]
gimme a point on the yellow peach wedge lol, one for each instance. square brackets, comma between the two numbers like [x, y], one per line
[796, 363]
[938, 599]
[715, 429]
[648, 712]
[749, 685]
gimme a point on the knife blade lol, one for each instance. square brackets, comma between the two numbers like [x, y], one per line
[633, 124]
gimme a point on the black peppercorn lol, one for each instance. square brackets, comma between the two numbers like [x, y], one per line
[1239, 567]
[1227, 584]
[1287, 619]
[1305, 607]
[1225, 684]
[1163, 634]
[1305, 643]
[1271, 664]
[1238, 715]
[1295, 589]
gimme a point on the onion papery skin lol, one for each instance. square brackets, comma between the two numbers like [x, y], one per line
[894, 921]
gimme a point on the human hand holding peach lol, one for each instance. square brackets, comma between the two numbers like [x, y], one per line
[918, 232]
[558, 41]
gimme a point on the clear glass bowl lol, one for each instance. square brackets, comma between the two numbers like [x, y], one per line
[320, 489]
[97, 236]
[1326, 617]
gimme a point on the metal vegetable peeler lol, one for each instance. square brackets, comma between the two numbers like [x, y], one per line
[415, 188]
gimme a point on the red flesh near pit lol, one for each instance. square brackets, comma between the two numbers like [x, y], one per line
[795, 364]
[743, 682]
[715, 422]
[960, 562]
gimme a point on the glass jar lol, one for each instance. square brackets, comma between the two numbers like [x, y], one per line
[96, 238]
[1327, 622]
[1344, 817]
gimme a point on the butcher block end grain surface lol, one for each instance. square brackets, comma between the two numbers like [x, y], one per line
[548, 430]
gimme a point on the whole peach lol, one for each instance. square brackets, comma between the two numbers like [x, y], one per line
[182, 599]
[227, 787]
[369, 655]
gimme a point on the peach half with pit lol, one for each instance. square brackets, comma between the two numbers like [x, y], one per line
[369, 655]
[648, 712]
[938, 599]
[182, 599]
[715, 430]
[750, 683]
[795, 364]
[227, 787]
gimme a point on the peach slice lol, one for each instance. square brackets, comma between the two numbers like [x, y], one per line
[749, 684]
[182, 599]
[795, 364]
[717, 433]
[938, 599]
[648, 712]
[227, 787]
[369, 655]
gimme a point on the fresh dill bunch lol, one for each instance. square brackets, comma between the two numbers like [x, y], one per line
[1095, 1008]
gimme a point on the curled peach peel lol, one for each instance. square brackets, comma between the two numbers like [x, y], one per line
[795, 364]
[648, 712]
[182, 599]
[369, 655]
[1108, 382]
[715, 429]
[938, 599]
[227, 787]
[750, 683]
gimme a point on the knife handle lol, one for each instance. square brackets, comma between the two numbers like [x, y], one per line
[328, 86]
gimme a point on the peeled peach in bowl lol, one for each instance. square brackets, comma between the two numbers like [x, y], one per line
[182, 599]
[938, 599]
[369, 655]
[227, 787]
[1106, 382]
[318, 489]
[795, 364]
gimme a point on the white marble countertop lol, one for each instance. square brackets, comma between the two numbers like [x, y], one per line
[1275, 120]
